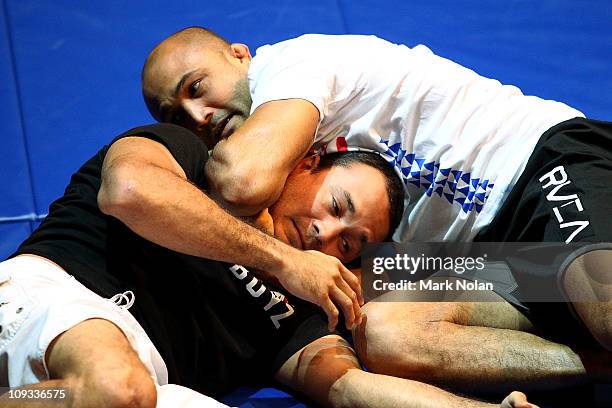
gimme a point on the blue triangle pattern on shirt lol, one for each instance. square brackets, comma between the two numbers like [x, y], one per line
[467, 207]
[465, 190]
[396, 147]
[400, 156]
[429, 177]
[441, 182]
[474, 191]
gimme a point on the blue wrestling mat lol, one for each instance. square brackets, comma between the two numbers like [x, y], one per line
[70, 72]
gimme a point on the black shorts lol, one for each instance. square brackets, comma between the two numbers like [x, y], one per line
[563, 195]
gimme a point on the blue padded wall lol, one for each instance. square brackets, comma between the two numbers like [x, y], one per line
[16, 200]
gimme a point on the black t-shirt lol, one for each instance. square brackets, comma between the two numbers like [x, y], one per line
[215, 324]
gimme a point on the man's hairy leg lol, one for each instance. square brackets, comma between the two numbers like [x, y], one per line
[588, 284]
[470, 346]
[94, 362]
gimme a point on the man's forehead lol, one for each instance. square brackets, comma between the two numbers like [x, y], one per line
[167, 70]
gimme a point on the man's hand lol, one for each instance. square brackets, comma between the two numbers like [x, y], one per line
[323, 280]
[312, 280]
[517, 399]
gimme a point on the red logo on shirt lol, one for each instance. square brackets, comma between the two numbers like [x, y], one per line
[341, 145]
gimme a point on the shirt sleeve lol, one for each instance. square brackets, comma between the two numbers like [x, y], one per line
[291, 71]
[188, 150]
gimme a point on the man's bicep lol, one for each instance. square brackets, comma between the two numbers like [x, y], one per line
[140, 151]
[314, 369]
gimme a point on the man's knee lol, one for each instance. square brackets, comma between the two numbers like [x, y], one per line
[124, 388]
[588, 284]
[597, 316]
[396, 338]
[100, 366]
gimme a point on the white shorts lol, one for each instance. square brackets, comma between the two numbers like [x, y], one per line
[38, 302]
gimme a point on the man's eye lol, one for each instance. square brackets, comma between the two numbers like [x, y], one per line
[193, 88]
[335, 207]
[345, 246]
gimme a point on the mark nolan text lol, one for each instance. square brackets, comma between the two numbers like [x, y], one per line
[428, 284]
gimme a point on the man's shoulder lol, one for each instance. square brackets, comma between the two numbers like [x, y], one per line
[313, 42]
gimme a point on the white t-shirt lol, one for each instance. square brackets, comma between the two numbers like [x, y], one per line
[459, 141]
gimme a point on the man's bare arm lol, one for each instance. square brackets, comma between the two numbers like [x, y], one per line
[247, 171]
[146, 189]
[327, 371]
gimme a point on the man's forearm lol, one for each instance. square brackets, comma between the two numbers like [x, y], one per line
[169, 211]
[361, 389]
[247, 171]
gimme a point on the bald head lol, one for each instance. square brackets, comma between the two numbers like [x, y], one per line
[191, 36]
[187, 40]
[193, 75]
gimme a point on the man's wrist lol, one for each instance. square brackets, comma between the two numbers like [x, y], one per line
[279, 257]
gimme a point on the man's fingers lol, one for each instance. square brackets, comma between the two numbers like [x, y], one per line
[356, 309]
[517, 399]
[353, 282]
[332, 313]
[340, 298]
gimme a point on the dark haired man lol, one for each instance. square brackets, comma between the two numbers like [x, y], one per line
[468, 149]
[214, 324]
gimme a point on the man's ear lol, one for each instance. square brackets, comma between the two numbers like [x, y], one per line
[309, 163]
[241, 51]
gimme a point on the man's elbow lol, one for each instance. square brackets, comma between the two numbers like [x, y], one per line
[119, 192]
[242, 190]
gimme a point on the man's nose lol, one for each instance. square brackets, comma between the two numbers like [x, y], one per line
[201, 116]
[327, 231]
